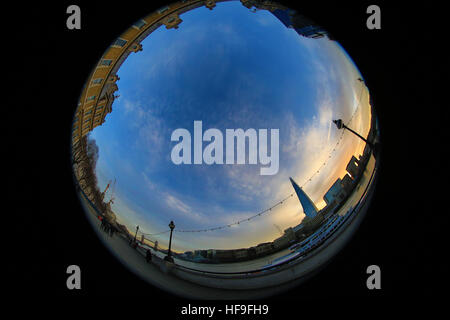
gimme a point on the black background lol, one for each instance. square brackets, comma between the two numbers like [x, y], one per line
[47, 230]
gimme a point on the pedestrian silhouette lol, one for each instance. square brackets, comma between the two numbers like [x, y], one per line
[148, 256]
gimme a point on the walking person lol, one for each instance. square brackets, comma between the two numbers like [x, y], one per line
[148, 256]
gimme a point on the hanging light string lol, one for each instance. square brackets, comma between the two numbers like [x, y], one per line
[270, 209]
[266, 211]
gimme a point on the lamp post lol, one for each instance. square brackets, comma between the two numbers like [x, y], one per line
[340, 124]
[169, 253]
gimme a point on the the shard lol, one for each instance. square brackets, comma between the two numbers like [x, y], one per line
[308, 206]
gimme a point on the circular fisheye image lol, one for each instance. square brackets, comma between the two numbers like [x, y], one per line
[225, 149]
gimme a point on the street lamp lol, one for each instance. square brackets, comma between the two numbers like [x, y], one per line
[340, 124]
[169, 253]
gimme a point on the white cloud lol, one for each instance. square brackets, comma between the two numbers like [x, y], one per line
[177, 204]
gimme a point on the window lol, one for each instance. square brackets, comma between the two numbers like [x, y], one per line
[106, 62]
[90, 98]
[87, 120]
[97, 81]
[88, 112]
[100, 107]
[120, 42]
[139, 24]
[170, 20]
[163, 9]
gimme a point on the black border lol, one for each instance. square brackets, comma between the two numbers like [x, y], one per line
[48, 64]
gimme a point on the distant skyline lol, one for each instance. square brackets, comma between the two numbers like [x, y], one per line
[230, 68]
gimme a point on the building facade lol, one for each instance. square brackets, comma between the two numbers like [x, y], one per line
[352, 167]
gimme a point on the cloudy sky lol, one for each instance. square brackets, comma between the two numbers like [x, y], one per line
[230, 68]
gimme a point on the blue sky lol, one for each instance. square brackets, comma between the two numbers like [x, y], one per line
[231, 68]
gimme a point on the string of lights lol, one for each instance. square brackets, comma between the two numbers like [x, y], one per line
[270, 209]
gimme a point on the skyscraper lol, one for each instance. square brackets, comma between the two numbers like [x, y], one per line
[334, 191]
[309, 207]
[352, 167]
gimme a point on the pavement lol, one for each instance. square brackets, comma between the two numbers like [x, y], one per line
[152, 272]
